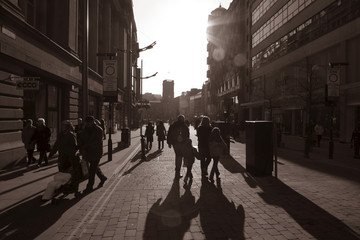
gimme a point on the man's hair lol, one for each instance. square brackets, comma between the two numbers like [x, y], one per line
[181, 118]
[41, 120]
[89, 119]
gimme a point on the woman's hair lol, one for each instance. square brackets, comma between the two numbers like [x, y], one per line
[215, 133]
[205, 121]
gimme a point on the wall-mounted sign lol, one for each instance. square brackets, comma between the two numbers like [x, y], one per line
[27, 84]
[110, 76]
[333, 82]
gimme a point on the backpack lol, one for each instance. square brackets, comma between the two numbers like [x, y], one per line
[179, 135]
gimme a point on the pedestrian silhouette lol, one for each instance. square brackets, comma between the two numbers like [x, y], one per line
[28, 138]
[177, 135]
[161, 134]
[91, 146]
[203, 134]
[319, 131]
[149, 134]
[217, 148]
[42, 137]
[355, 141]
[68, 163]
[190, 153]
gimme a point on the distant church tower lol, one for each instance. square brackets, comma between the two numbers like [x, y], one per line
[168, 90]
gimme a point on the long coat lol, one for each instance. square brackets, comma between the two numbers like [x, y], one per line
[42, 136]
[161, 132]
[28, 137]
[203, 134]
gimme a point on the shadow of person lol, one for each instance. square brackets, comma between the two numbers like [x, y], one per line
[31, 218]
[138, 157]
[171, 218]
[234, 166]
[220, 218]
[312, 218]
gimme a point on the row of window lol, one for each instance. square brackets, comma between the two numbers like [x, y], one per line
[261, 9]
[335, 15]
[231, 83]
[287, 12]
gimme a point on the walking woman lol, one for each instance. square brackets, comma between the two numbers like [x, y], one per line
[160, 133]
[203, 134]
[217, 148]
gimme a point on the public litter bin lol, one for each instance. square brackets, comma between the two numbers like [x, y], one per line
[126, 136]
[225, 131]
[259, 147]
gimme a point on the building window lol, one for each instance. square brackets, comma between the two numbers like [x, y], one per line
[287, 12]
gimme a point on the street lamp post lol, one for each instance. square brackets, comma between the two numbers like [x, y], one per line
[332, 95]
[110, 55]
[143, 157]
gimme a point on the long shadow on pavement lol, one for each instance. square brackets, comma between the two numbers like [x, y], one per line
[220, 218]
[312, 218]
[19, 171]
[234, 166]
[171, 218]
[149, 157]
[29, 219]
[331, 167]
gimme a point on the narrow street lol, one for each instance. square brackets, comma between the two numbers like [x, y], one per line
[142, 200]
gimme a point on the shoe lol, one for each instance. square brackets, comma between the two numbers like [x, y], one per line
[102, 182]
[38, 165]
[88, 190]
[77, 194]
[178, 176]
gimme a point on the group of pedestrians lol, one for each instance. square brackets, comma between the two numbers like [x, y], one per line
[87, 138]
[210, 146]
[38, 136]
[160, 133]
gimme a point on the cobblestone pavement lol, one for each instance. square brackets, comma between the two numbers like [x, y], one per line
[310, 199]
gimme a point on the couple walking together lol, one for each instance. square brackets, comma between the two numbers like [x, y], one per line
[91, 147]
[210, 144]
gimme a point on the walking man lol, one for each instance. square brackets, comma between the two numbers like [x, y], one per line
[42, 136]
[91, 145]
[28, 138]
[177, 135]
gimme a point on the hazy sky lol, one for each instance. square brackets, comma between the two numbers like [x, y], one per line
[179, 29]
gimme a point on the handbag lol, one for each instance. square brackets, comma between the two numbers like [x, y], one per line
[84, 169]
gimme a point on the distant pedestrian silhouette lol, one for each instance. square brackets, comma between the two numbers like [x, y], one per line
[355, 142]
[319, 131]
[28, 138]
[161, 134]
[149, 134]
[42, 136]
